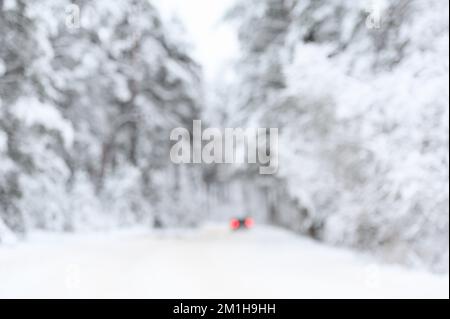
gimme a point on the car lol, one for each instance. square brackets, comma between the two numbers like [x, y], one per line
[242, 223]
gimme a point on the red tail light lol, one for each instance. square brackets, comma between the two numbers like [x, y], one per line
[249, 222]
[235, 224]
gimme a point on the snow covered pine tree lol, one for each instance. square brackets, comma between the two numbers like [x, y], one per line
[365, 158]
[85, 113]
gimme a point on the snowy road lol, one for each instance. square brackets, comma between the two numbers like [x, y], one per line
[211, 263]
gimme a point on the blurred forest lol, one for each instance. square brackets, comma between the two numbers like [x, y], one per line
[362, 108]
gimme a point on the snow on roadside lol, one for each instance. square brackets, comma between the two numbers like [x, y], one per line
[6, 235]
[211, 263]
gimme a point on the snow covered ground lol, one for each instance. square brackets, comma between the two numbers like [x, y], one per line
[211, 263]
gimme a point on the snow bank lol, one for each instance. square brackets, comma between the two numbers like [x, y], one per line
[6, 235]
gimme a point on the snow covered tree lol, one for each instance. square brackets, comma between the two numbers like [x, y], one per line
[363, 163]
[36, 133]
[143, 83]
[88, 107]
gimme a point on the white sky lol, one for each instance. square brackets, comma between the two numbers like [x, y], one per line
[214, 42]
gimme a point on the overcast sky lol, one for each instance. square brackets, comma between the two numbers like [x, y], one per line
[213, 41]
